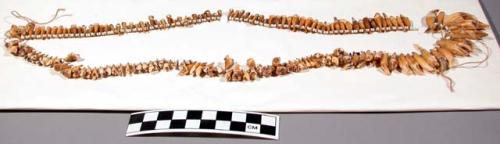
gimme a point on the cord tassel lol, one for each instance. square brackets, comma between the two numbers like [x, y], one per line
[30, 20]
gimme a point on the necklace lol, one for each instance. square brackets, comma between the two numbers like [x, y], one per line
[459, 31]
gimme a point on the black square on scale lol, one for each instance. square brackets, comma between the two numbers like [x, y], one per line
[237, 126]
[177, 124]
[195, 114]
[136, 118]
[165, 115]
[224, 115]
[207, 124]
[150, 125]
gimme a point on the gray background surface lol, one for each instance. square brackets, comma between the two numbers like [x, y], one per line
[465, 127]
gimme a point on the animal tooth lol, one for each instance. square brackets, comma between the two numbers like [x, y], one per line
[414, 66]
[428, 57]
[421, 61]
[404, 65]
[448, 55]
[384, 62]
[430, 21]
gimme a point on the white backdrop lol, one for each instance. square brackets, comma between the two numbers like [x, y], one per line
[26, 86]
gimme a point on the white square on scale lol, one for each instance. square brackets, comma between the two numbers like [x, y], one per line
[193, 124]
[134, 127]
[222, 125]
[268, 120]
[252, 128]
[162, 124]
[239, 117]
[150, 116]
[179, 115]
[209, 115]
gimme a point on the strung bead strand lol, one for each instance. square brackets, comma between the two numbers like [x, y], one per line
[378, 23]
[32, 31]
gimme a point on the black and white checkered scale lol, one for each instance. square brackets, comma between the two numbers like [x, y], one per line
[240, 123]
